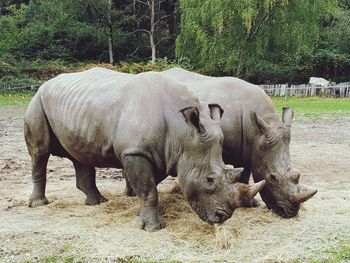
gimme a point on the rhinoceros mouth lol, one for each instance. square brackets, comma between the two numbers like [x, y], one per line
[219, 216]
[286, 209]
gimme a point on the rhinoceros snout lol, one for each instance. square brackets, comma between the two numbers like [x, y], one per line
[286, 209]
[219, 216]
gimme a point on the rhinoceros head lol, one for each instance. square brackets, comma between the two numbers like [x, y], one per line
[271, 162]
[211, 191]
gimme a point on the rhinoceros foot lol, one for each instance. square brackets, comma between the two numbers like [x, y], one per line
[34, 202]
[128, 191]
[151, 222]
[95, 199]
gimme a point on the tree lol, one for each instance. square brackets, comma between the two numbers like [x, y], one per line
[238, 37]
[155, 19]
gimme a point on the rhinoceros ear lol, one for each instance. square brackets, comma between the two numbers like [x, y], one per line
[259, 122]
[287, 115]
[215, 111]
[191, 115]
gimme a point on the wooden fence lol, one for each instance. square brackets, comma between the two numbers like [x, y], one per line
[341, 90]
[19, 88]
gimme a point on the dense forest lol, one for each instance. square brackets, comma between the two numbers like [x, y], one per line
[262, 41]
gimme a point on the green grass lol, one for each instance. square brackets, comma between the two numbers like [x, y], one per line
[15, 98]
[313, 107]
[303, 107]
[339, 255]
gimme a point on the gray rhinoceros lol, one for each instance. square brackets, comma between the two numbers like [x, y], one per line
[254, 137]
[146, 124]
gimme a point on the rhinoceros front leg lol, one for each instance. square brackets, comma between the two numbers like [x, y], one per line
[86, 182]
[140, 175]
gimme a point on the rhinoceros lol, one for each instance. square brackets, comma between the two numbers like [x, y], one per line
[146, 124]
[254, 137]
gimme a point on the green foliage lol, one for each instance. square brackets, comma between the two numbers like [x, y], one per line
[261, 41]
[26, 73]
[248, 38]
[159, 65]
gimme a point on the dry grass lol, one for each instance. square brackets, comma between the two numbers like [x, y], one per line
[66, 229]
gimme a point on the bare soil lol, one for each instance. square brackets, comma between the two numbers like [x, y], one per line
[67, 230]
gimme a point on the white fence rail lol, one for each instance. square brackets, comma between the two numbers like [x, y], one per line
[19, 88]
[341, 90]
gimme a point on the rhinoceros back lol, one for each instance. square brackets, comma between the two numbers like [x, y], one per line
[99, 115]
[237, 97]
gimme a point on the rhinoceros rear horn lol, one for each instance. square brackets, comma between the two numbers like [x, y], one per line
[295, 177]
[215, 111]
[254, 189]
[303, 195]
[233, 174]
[287, 115]
[259, 122]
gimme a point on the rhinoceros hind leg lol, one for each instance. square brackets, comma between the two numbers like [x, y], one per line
[37, 197]
[37, 136]
[140, 174]
[86, 182]
[128, 191]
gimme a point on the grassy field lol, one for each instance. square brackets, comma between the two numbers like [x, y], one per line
[304, 107]
[15, 98]
[312, 107]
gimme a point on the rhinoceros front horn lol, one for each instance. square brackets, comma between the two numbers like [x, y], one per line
[303, 195]
[255, 188]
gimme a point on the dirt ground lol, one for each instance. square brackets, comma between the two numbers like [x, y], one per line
[68, 231]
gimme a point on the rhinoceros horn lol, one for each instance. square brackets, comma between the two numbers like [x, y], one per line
[287, 115]
[304, 194]
[255, 188]
[295, 177]
[233, 174]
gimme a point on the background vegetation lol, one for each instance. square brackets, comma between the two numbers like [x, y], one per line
[262, 41]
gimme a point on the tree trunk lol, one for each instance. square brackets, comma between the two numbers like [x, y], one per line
[110, 44]
[152, 31]
[110, 34]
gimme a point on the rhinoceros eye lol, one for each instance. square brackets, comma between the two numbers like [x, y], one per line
[210, 183]
[210, 180]
[273, 177]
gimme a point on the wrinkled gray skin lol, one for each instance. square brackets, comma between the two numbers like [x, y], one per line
[146, 124]
[254, 137]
